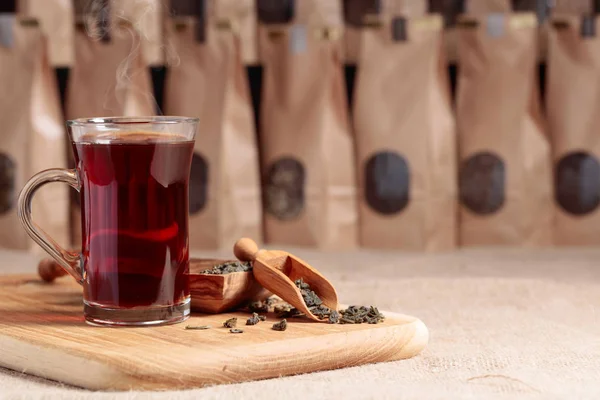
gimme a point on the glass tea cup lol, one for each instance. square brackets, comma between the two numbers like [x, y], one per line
[133, 178]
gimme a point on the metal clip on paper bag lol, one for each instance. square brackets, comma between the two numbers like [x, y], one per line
[588, 26]
[7, 36]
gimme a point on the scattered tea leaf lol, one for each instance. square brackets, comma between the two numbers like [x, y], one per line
[351, 315]
[280, 326]
[361, 314]
[197, 327]
[253, 320]
[230, 323]
[236, 330]
[262, 317]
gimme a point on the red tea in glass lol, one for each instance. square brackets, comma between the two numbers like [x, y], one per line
[133, 179]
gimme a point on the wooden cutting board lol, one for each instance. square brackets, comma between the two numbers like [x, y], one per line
[42, 332]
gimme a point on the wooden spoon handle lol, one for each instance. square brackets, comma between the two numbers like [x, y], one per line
[49, 270]
[245, 249]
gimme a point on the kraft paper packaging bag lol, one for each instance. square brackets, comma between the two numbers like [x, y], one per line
[109, 78]
[242, 14]
[33, 134]
[358, 12]
[56, 18]
[405, 138]
[505, 177]
[308, 172]
[572, 101]
[209, 81]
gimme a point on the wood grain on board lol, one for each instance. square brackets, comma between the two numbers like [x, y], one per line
[42, 332]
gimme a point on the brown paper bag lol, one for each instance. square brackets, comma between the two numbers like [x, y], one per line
[242, 14]
[505, 171]
[56, 19]
[572, 106]
[357, 13]
[33, 133]
[309, 183]
[109, 78]
[209, 81]
[405, 138]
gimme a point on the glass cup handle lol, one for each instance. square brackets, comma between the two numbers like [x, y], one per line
[68, 260]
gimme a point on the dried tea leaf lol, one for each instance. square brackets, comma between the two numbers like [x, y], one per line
[282, 309]
[253, 320]
[301, 284]
[230, 323]
[228, 268]
[287, 311]
[271, 300]
[236, 330]
[320, 311]
[197, 327]
[312, 301]
[258, 306]
[280, 326]
[361, 314]
[334, 317]
[262, 317]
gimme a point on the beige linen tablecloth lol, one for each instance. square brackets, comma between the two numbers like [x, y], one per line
[504, 324]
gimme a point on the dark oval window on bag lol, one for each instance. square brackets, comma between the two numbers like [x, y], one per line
[7, 183]
[284, 188]
[482, 182]
[198, 184]
[387, 182]
[577, 183]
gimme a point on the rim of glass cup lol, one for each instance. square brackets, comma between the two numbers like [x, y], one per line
[120, 121]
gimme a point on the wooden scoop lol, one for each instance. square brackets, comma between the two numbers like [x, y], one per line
[277, 270]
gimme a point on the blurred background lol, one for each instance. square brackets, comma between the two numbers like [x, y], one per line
[400, 124]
